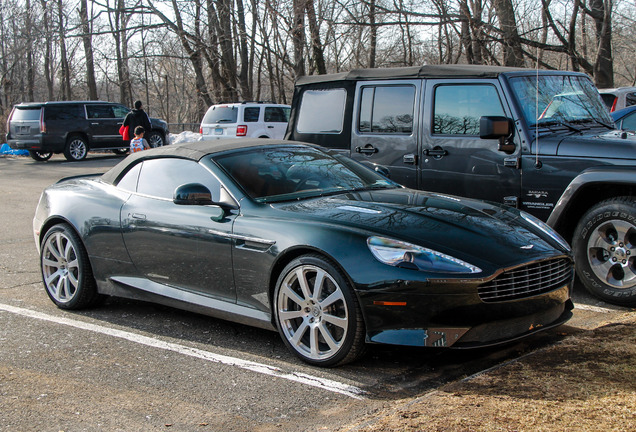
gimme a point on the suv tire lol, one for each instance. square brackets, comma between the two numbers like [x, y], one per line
[40, 156]
[155, 139]
[605, 250]
[76, 148]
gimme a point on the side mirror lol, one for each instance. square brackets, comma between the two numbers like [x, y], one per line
[496, 127]
[193, 194]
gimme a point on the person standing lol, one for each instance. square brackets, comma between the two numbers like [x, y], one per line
[137, 117]
[138, 143]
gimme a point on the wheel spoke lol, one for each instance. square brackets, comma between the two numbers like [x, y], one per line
[302, 281]
[291, 295]
[290, 315]
[603, 268]
[313, 338]
[328, 337]
[50, 263]
[52, 280]
[334, 297]
[298, 334]
[337, 321]
[318, 284]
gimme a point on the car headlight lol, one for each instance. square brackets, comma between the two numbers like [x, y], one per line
[539, 224]
[406, 255]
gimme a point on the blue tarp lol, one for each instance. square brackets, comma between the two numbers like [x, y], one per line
[6, 150]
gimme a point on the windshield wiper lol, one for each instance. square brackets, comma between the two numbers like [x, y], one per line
[560, 123]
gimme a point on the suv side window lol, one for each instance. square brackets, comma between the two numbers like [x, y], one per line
[277, 114]
[387, 109]
[630, 99]
[322, 111]
[64, 112]
[250, 115]
[120, 111]
[160, 177]
[458, 108]
[100, 111]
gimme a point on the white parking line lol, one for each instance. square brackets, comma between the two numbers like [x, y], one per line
[314, 381]
[592, 308]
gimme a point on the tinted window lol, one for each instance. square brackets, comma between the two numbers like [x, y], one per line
[160, 177]
[629, 122]
[221, 114]
[458, 108]
[321, 111]
[387, 109]
[129, 180]
[100, 111]
[250, 114]
[64, 112]
[277, 114]
[608, 99]
[120, 111]
[630, 99]
[26, 114]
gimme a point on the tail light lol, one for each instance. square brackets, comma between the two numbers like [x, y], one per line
[42, 124]
[241, 130]
[201, 130]
[614, 105]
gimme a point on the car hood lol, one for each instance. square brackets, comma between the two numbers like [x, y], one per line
[614, 144]
[476, 231]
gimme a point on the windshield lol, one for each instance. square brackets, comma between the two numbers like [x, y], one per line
[221, 114]
[562, 99]
[287, 173]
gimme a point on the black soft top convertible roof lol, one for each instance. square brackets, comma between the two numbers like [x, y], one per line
[194, 150]
[427, 71]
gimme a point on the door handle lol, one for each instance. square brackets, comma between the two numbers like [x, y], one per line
[139, 216]
[367, 149]
[270, 127]
[410, 159]
[437, 152]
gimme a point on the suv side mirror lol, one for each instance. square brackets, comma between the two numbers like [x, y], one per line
[496, 127]
[193, 194]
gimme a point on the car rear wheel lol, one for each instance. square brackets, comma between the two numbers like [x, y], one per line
[317, 313]
[605, 250]
[66, 271]
[76, 148]
[40, 156]
[155, 139]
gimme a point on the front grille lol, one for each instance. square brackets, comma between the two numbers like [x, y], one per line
[527, 281]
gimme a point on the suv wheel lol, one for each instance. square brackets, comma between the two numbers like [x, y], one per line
[605, 250]
[155, 139]
[76, 148]
[40, 156]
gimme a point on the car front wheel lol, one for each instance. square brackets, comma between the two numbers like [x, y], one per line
[76, 148]
[317, 313]
[605, 250]
[66, 271]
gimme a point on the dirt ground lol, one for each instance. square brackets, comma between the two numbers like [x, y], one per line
[587, 382]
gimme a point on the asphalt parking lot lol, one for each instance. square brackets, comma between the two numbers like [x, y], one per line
[129, 365]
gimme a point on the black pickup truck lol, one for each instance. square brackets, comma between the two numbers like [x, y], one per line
[541, 141]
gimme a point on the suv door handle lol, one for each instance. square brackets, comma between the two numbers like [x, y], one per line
[270, 127]
[437, 152]
[367, 149]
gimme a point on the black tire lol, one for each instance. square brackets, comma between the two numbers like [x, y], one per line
[76, 148]
[66, 271]
[605, 250]
[155, 139]
[121, 151]
[304, 317]
[40, 156]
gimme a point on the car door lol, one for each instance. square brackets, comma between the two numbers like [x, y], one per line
[276, 119]
[103, 125]
[384, 133]
[183, 246]
[454, 159]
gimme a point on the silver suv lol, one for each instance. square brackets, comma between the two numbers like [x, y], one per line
[245, 120]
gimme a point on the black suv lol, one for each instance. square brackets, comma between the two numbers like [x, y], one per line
[73, 128]
[541, 141]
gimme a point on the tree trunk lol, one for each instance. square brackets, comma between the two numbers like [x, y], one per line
[298, 37]
[316, 45]
[87, 40]
[373, 30]
[29, 47]
[513, 53]
[601, 11]
[64, 65]
[245, 62]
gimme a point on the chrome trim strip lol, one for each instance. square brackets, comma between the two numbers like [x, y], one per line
[240, 237]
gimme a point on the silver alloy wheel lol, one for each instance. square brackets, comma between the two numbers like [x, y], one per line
[77, 149]
[611, 251]
[312, 312]
[60, 267]
[155, 140]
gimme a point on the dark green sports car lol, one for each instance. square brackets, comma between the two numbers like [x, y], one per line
[289, 236]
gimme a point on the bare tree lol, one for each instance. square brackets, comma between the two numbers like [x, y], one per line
[87, 40]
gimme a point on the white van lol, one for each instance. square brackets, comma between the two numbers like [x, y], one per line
[245, 120]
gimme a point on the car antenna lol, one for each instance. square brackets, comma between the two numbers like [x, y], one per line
[537, 162]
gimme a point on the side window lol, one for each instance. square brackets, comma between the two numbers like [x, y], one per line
[387, 109]
[322, 111]
[276, 115]
[458, 108]
[129, 181]
[160, 177]
[630, 99]
[629, 122]
[100, 111]
[120, 111]
[251, 114]
[64, 112]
